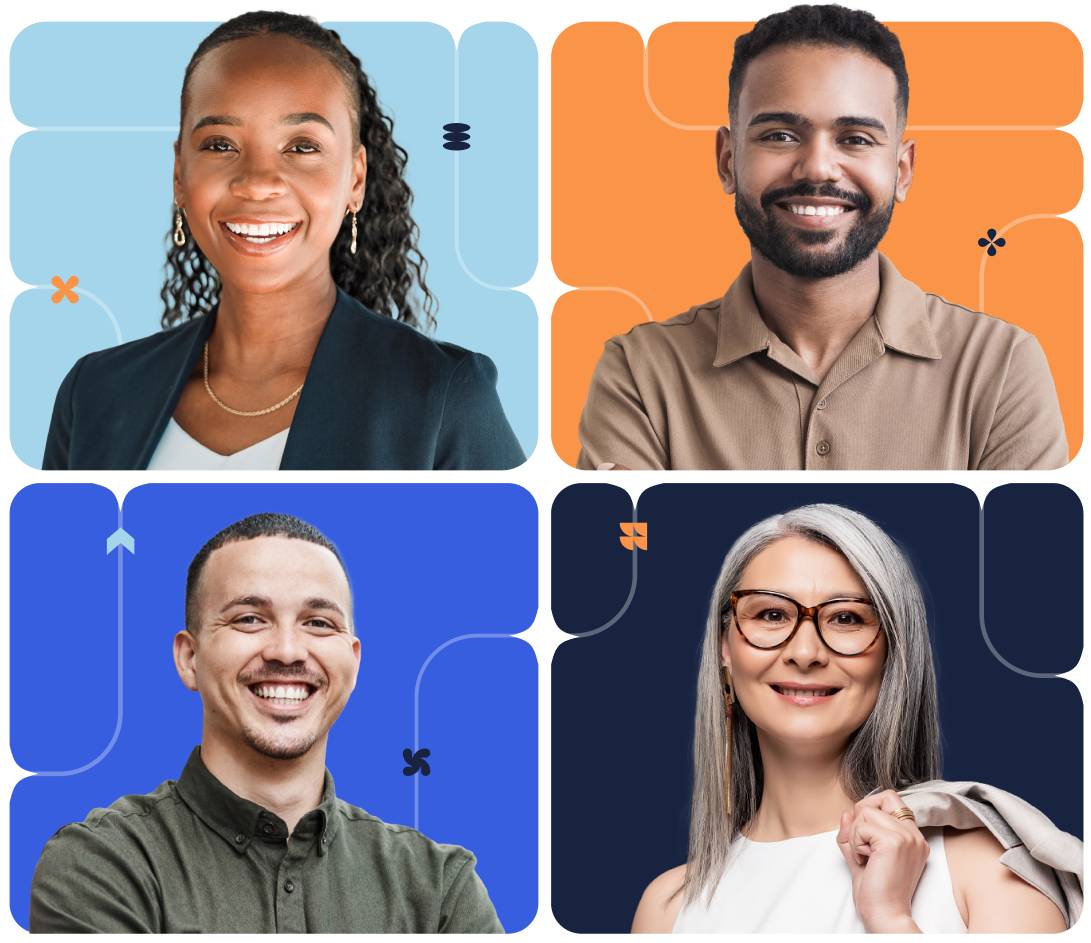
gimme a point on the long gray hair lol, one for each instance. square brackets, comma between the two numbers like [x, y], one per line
[897, 745]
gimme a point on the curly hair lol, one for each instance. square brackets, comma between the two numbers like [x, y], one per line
[388, 261]
[824, 25]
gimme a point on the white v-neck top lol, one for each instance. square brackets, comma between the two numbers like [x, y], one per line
[177, 449]
[803, 885]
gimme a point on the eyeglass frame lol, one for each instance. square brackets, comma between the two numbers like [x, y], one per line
[805, 612]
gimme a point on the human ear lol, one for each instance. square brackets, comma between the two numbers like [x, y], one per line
[725, 650]
[177, 177]
[907, 154]
[725, 160]
[185, 658]
[359, 176]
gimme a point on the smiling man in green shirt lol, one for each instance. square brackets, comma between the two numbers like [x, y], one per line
[252, 837]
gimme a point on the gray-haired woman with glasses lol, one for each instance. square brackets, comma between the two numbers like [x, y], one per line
[816, 804]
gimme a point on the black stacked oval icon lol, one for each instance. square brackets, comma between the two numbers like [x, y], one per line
[457, 137]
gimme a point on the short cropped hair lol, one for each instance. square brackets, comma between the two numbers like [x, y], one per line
[256, 525]
[820, 25]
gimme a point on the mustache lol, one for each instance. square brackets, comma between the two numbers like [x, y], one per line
[276, 671]
[827, 190]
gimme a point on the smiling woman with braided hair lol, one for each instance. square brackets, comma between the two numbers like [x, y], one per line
[295, 294]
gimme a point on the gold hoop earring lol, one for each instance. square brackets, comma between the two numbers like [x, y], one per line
[729, 703]
[352, 245]
[179, 234]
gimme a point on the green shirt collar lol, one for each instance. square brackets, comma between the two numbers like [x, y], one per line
[239, 821]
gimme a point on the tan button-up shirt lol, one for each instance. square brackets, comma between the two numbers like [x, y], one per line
[923, 384]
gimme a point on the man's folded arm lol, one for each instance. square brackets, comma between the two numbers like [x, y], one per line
[83, 884]
[615, 426]
[1027, 429]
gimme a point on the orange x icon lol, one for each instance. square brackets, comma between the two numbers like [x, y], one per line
[636, 535]
[64, 290]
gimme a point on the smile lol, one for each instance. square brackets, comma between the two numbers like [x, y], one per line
[259, 238]
[815, 216]
[804, 697]
[290, 696]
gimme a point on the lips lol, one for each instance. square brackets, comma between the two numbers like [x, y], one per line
[805, 696]
[259, 239]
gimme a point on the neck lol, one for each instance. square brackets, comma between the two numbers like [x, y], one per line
[816, 317]
[259, 335]
[801, 795]
[288, 788]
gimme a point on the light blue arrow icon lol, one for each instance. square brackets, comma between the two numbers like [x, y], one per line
[120, 537]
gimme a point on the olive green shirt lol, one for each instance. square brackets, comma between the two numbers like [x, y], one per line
[194, 857]
[924, 384]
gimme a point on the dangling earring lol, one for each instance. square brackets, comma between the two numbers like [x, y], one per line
[352, 245]
[179, 235]
[729, 701]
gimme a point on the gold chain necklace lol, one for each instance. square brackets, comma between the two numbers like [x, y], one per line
[247, 412]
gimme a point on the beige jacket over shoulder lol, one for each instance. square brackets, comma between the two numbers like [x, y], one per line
[1035, 849]
[923, 384]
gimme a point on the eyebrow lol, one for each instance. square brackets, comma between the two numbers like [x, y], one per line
[264, 602]
[299, 117]
[799, 121]
[317, 602]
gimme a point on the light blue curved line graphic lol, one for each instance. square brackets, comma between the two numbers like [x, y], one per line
[120, 551]
[84, 293]
[981, 608]
[457, 194]
[116, 128]
[624, 606]
[416, 704]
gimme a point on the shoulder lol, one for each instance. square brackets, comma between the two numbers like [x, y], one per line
[398, 846]
[660, 903]
[957, 324]
[991, 896]
[687, 332]
[144, 350]
[385, 336]
[119, 825]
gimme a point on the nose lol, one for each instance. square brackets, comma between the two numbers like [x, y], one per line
[806, 650]
[257, 177]
[285, 644]
[818, 160]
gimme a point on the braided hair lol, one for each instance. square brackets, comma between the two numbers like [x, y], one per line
[388, 260]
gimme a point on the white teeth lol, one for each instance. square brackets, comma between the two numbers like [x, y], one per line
[261, 230]
[811, 210]
[808, 692]
[282, 692]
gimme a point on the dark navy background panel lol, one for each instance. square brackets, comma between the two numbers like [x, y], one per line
[442, 576]
[623, 699]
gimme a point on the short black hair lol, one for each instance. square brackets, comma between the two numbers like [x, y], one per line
[267, 524]
[820, 25]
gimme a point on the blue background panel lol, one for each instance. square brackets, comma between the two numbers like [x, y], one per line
[91, 190]
[428, 565]
[623, 704]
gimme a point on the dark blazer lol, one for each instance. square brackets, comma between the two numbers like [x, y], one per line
[378, 394]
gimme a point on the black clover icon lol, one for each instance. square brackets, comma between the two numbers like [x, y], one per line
[416, 762]
[992, 242]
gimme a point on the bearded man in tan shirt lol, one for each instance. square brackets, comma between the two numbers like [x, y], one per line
[821, 355]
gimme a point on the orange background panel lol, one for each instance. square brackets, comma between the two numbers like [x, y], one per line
[959, 73]
[637, 204]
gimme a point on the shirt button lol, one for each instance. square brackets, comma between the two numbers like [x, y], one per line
[325, 840]
[823, 447]
[289, 885]
[268, 828]
[239, 839]
[821, 404]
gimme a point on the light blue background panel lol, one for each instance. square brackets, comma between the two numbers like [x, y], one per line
[443, 576]
[91, 190]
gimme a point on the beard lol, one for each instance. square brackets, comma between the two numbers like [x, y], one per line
[794, 250]
[279, 747]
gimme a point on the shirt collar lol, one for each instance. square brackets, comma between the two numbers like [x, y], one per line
[900, 314]
[239, 821]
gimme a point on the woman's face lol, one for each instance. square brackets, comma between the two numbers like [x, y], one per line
[266, 164]
[810, 573]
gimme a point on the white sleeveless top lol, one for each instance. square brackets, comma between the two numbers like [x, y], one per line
[803, 885]
[177, 449]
